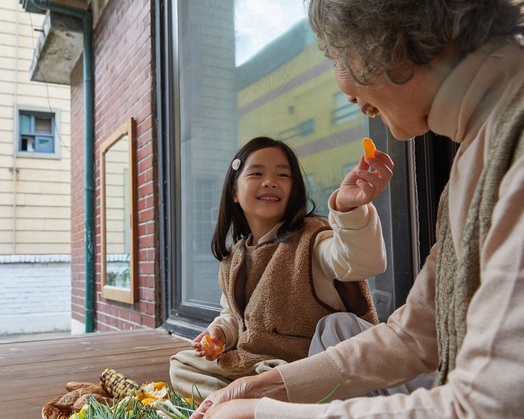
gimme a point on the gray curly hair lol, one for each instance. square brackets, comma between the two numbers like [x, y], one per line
[389, 33]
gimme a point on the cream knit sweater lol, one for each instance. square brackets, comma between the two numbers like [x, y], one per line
[488, 379]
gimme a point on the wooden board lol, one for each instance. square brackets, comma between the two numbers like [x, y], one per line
[34, 372]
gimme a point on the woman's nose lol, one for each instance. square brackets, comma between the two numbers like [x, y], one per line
[352, 99]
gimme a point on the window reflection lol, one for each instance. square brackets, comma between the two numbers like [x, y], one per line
[251, 68]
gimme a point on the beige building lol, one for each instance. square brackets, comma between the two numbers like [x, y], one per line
[35, 193]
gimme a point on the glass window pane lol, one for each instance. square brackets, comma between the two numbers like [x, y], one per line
[44, 145]
[36, 132]
[43, 125]
[25, 124]
[250, 68]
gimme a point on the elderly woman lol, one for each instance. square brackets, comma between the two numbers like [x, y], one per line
[454, 67]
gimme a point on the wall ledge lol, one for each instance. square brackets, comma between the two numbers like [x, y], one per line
[4, 259]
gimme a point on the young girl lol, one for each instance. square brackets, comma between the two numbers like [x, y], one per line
[286, 268]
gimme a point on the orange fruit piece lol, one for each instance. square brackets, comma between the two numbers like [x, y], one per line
[148, 400]
[211, 346]
[369, 148]
[159, 385]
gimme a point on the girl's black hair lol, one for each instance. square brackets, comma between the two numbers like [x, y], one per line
[231, 219]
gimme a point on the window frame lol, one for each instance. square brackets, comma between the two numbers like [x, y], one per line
[182, 322]
[34, 111]
[416, 181]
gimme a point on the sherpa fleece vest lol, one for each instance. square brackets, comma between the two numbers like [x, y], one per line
[276, 304]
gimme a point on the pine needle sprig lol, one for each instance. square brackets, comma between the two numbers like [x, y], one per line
[325, 399]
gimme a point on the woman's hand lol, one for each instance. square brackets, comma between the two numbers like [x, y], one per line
[268, 384]
[234, 409]
[360, 186]
[214, 333]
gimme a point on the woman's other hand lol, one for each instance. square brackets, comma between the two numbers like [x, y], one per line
[268, 384]
[361, 186]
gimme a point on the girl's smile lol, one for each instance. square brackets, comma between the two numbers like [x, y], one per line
[269, 198]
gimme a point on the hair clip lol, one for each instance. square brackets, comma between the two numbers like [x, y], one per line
[236, 164]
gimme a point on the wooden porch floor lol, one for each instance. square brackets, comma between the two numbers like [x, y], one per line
[32, 373]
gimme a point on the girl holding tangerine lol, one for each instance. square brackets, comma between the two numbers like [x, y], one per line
[283, 267]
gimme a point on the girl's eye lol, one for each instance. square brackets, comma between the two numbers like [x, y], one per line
[284, 175]
[255, 174]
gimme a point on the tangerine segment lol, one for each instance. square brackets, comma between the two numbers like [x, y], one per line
[159, 385]
[148, 401]
[369, 148]
[211, 346]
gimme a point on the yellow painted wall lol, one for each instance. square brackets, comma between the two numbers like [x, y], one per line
[304, 88]
[34, 192]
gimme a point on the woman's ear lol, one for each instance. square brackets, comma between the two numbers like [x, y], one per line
[401, 74]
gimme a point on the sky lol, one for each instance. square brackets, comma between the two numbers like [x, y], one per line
[258, 22]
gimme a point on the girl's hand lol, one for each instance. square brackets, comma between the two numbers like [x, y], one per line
[234, 409]
[360, 186]
[214, 333]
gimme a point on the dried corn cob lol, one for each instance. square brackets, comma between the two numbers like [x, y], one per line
[117, 385]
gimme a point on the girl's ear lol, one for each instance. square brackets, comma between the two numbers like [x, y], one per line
[235, 199]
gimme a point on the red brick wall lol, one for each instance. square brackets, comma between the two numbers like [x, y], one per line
[124, 88]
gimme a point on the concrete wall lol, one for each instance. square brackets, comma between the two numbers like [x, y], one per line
[36, 294]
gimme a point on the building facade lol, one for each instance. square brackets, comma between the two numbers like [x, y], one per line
[178, 87]
[35, 179]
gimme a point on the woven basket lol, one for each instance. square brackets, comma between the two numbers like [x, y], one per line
[50, 411]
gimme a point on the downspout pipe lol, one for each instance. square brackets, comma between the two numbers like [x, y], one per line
[89, 179]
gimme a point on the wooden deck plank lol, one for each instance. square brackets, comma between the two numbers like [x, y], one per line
[120, 360]
[34, 372]
[67, 346]
[70, 351]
